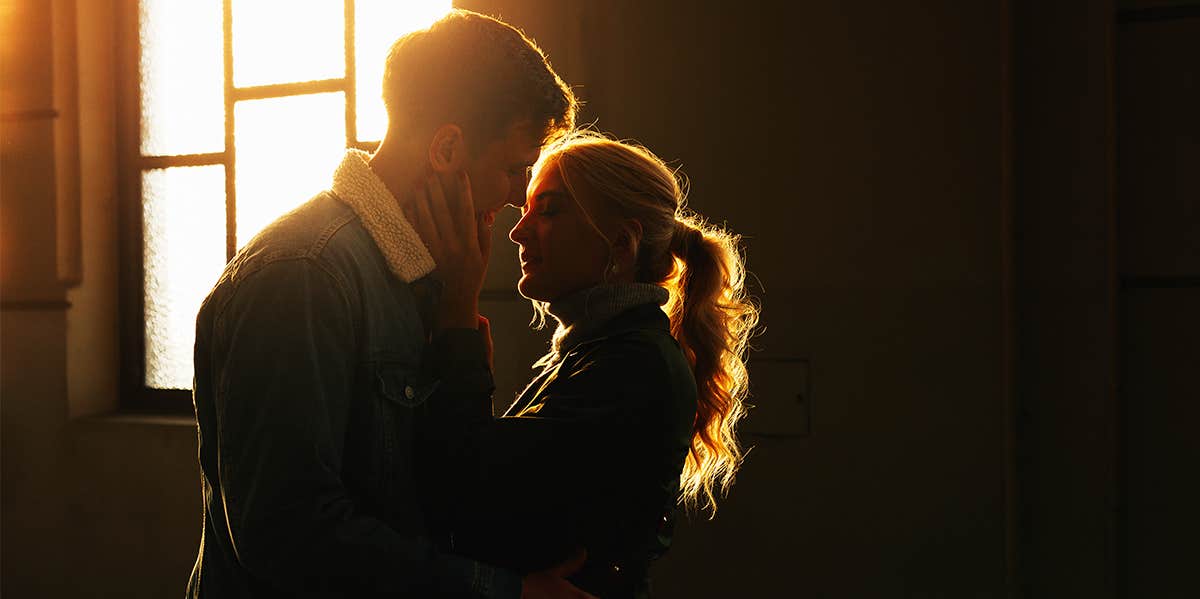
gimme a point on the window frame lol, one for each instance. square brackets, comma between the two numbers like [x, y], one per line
[136, 396]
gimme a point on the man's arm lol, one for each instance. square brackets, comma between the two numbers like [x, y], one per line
[284, 388]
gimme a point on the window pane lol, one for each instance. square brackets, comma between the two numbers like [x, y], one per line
[183, 109]
[280, 41]
[378, 23]
[287, 149]
[184, 245]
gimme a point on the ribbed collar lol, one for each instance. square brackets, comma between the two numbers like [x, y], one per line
[356, 185]
[582, 313]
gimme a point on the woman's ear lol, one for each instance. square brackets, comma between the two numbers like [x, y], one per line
[447, 150]
[627, 242]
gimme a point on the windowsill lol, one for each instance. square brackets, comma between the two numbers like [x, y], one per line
[122, 417]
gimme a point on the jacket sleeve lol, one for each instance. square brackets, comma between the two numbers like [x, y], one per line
[284, 387]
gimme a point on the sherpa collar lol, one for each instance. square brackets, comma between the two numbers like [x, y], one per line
[356, 185]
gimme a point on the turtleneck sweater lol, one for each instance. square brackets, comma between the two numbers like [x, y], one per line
[582, 313]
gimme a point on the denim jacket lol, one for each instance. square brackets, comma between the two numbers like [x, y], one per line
[312, 367]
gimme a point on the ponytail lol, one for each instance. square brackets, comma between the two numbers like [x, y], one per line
[712, 319]
[701, 267]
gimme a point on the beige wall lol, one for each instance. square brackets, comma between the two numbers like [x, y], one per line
[32, 323]
[90, 507]
[858, 149]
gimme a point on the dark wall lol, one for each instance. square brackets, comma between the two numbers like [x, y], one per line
[858, 150]
[929, 196]
[1158, 263]
[1063, 278]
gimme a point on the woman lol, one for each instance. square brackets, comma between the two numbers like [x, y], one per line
[636, 406]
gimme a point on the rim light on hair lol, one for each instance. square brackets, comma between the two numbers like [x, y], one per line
[702, 267]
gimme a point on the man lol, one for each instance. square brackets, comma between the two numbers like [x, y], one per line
[324, 336]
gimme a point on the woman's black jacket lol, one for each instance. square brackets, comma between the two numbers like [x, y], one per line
[588, 456]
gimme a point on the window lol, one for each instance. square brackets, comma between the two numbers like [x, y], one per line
[236, 111]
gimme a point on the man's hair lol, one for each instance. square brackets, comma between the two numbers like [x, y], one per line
[479, 73]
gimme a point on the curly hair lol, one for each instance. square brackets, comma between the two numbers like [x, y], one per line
[701, 266]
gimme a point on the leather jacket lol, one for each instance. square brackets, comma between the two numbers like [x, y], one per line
[588, 456]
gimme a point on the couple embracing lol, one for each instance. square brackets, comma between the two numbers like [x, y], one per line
[343, 382]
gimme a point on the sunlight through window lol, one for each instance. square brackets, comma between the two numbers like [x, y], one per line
[183, 110]
[279, 164]
[184, 252]
[278, 41]
[287, 138]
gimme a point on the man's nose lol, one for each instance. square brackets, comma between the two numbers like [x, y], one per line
[518, 188]
[516, 197]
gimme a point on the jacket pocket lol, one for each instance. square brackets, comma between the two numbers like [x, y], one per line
[401, 386]
[397, 396]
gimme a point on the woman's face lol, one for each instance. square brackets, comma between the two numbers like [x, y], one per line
[560, 251]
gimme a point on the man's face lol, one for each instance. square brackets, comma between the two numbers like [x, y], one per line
[500, 172]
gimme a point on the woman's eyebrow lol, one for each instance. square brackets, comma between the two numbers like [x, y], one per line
[542, 198]
[550, 195]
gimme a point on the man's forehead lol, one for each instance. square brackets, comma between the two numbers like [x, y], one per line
[524, 140]
[519, 146]
[530, 154]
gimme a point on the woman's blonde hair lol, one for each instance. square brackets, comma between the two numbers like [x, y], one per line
[700, 265]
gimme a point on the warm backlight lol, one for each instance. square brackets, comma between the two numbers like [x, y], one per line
[285, 148]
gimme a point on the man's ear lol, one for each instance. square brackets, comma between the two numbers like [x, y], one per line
[447, 150]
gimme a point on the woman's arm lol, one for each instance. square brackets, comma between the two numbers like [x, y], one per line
[581, 463]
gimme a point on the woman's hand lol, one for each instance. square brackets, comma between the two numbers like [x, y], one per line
[459, 241]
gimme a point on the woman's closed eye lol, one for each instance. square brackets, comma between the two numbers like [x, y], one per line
[545, 204]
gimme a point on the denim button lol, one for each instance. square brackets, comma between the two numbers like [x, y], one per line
[408, 392]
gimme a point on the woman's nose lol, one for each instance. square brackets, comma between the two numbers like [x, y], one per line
[517, 233]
